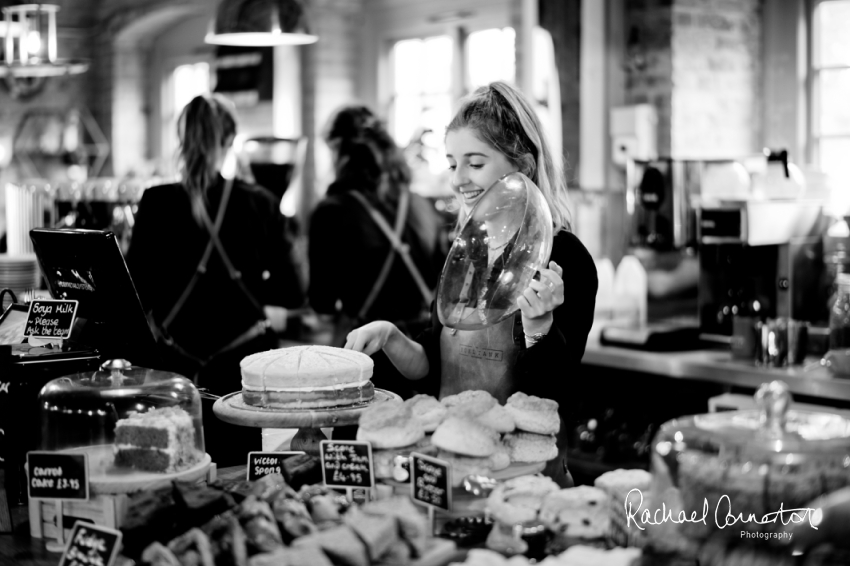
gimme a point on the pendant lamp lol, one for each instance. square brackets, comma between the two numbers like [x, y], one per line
[260, 23]
[30, 44]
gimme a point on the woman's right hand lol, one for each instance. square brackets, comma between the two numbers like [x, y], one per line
[371, 337]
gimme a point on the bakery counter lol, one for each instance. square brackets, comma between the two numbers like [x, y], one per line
[716, 366]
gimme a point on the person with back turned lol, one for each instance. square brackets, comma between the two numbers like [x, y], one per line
[213, 268]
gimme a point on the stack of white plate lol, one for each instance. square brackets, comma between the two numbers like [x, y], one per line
[19, 273]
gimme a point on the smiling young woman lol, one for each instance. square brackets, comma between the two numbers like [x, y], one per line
[495, 132]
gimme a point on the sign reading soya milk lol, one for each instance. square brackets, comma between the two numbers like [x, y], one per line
[91, 545]
[347, 463]
[51, 318]
[53, 475]
[431, 481]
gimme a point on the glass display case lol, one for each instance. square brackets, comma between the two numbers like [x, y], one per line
[745, 471]
[130, 421]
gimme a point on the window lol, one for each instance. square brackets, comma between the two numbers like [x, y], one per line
[491, 56]
[831, 88]
[424, 93]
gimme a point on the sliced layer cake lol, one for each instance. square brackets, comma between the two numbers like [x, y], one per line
[159, 440]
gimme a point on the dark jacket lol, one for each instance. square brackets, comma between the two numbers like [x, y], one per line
[167, 244]
[543, 370]
[348, 250]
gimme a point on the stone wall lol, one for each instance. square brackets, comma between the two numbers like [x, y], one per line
[699, 63]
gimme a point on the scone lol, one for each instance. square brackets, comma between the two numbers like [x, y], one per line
[486, 410]
[389, 425]
[476, 395]
[581, 511]
[519, 500]
[465, 437]
[530, 447]
[428, 410]
[534, 414]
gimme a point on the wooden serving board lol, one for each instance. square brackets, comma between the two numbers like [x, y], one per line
[105, 478]
[232, 409]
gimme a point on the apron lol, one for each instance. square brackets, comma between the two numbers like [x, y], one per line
[485, 359]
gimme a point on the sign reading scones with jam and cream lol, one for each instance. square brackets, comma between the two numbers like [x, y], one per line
[307, 377]
[347, 463]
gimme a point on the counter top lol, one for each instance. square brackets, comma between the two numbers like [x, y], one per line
[717, 366]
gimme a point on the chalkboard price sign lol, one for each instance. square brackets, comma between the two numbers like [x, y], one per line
[57, 476]
[431, 481]
[262, 464]
[51, 319]
[91, 545]
[347, 463]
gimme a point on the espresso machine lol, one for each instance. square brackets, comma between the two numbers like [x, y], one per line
[759, 252]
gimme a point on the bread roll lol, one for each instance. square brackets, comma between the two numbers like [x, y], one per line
[534, 414]
[389, 425]
[530, 447]
[428, 410]
[465, 437]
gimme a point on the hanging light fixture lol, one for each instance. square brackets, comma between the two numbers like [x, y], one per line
[30, 44]
[260, 23]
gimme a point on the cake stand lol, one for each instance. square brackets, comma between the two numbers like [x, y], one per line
[309, 422]
[105, 478]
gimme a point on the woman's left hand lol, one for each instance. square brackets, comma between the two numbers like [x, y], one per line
[541, 298]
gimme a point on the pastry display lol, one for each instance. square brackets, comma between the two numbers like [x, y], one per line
[578, 555]
[158, 440]
[304, 377]
[272, 525]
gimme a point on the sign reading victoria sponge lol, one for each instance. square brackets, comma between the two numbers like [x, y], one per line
[261, 464]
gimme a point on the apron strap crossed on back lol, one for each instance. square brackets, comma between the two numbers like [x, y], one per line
[214, 244]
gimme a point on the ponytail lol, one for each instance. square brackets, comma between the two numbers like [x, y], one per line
[501, 116]
[205, 126]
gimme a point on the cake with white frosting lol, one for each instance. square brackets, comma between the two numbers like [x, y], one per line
[306, 377]
[159, 440]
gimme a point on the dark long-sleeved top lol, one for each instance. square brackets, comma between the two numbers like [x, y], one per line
[167, 244]
[348, 250]
[544, 369]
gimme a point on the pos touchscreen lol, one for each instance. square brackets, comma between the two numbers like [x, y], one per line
[88, 266]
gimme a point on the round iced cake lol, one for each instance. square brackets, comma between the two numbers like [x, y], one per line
[304, 377]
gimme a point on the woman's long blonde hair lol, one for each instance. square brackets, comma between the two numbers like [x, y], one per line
[501, 116]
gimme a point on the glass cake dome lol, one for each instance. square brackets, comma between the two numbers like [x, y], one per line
[129, 420]
[763, 461]
[512, 220]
